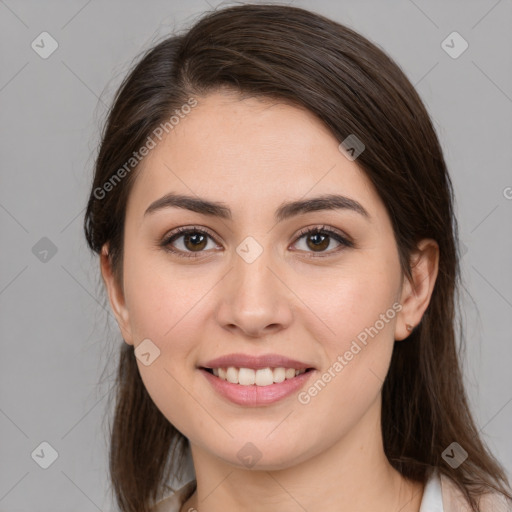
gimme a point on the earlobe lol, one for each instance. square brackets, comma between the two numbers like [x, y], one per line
[115, 295]
[416, 295]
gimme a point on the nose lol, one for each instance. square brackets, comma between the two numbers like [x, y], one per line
[255, 299]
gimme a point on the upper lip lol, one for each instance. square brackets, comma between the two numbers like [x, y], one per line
[256, 362]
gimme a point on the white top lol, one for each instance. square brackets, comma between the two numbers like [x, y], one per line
[431, 501]
[432, 497]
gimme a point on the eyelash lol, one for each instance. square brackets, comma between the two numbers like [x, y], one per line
[179, 232]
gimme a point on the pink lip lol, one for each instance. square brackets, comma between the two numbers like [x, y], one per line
[256, 362]
[256, 395]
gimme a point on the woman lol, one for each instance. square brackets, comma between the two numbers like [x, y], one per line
[275, 226]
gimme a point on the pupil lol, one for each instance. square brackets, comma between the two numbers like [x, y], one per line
[321, 243]
[195, 245]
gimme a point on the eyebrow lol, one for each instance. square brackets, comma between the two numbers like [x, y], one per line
[285, 211]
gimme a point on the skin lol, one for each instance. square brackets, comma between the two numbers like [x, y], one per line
[253, 155]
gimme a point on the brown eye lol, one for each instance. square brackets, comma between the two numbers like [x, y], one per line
[318, 241]
[192, 240]
[319, 238]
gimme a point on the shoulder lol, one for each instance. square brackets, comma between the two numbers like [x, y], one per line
[454, 500]
[174, 501]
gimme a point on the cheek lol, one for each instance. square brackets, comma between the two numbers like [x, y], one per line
[357, 318]
[151, 305]
[161, 300]
[354, 304]
[357, 360]
[164, 308]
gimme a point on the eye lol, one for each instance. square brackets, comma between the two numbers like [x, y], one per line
[319, 238]
[195, 240]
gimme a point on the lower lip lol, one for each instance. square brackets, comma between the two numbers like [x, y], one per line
[257, 395]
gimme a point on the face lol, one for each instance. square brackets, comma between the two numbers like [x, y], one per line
[252, 284]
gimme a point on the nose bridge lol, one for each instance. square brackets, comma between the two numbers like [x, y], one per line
[256, 298]
[255, 282]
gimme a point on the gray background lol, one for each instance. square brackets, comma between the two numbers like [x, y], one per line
[56, 333]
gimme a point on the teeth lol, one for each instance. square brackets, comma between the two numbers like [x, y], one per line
[232, 375]
[260, 377]
[279, 374]
[290, 372]
[246, 376]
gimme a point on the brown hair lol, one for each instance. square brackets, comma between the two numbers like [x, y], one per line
[296, 56]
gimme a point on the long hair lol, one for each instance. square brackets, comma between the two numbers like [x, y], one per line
[353, 87]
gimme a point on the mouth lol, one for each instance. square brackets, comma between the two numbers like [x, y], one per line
[256, 387]
[260, 377]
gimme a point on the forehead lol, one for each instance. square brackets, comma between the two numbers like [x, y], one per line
[251, 154]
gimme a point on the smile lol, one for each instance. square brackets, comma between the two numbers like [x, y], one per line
[257, 377]
[253, 388]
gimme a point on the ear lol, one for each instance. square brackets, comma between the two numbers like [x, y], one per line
[415, 296]
[116, 296]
